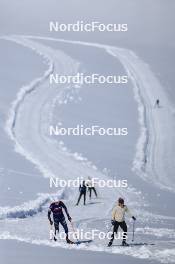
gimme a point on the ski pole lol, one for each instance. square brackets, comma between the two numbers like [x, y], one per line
[133, 230]
[72, 225]
[109, 230]
[51, 233]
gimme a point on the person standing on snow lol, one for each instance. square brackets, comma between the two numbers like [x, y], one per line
[157, 103]
[56, 208]
[90, 185]
[118, 219]
[82, 190]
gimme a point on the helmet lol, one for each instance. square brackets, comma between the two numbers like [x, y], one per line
[121, 200]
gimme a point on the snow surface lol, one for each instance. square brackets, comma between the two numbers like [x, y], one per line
[27, 127]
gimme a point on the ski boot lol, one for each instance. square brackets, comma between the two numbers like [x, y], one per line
[124, 243]
[69, 241]
[110, 243]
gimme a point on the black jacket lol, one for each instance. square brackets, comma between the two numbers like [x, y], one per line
[57, 209]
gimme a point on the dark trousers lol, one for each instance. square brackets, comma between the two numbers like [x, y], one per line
[90, 191]
[61, 221]
[123, 227]
[79, 198]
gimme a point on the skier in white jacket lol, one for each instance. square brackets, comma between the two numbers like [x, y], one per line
[118, 219]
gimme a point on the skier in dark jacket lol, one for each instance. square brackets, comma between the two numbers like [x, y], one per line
[56, 208]
[157, 103]
[82, 190]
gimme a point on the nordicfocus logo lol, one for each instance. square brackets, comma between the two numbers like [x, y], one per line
[93, 234]
[55, 182]
[81, 26]
[81, 78]
[80, 130]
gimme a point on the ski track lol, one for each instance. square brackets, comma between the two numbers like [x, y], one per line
[150, 152]
[30, 138]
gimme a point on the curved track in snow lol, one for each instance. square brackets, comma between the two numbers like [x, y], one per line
[153, 160]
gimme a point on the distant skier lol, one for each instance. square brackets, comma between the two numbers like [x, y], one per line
[91, 187]
[157, 103]
[118, 219]
[82, 190]
[56, 208]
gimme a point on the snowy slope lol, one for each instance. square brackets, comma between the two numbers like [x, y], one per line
[27, 126]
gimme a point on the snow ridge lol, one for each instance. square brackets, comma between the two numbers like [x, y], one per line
[23, 92]
[30, 208]
[141, 252]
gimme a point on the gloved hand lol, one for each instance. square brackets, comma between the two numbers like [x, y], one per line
[133, 217]
[112, 222]
[51, 222]
[69, 218]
